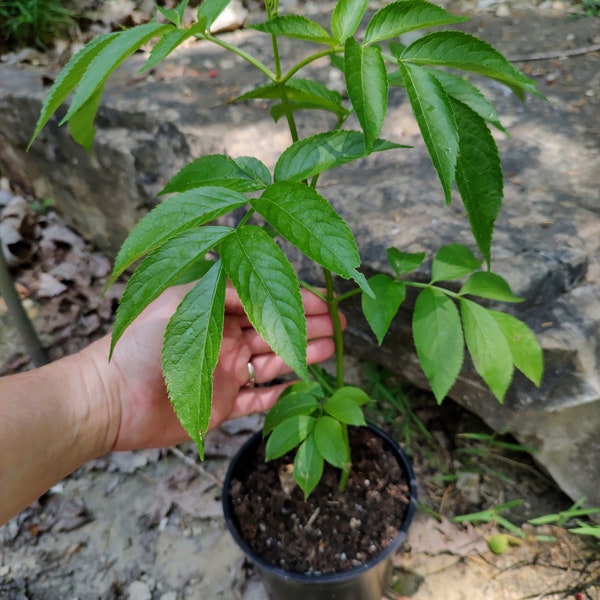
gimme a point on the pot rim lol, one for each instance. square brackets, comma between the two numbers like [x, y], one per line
[320, 577]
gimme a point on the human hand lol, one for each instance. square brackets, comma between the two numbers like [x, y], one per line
[138, 409]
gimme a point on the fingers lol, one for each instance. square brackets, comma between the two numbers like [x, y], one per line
[253, 400]
[269, 366]
[317, 326]
[313, 305]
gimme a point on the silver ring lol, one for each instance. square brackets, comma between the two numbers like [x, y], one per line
[251, 376]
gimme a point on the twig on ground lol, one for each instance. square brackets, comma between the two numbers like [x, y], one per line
[556, 53]
[190, 462]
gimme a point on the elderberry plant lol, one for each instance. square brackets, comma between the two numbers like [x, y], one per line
[174, 239]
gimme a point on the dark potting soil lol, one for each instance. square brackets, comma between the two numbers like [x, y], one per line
[331, 531]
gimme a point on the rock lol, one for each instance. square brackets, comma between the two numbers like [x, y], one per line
[547, 242]
[139, 590]
[233, 17]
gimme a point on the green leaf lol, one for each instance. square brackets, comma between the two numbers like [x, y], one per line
[434, 115]
[488, 347]
[161, 269]
[453, 261]
[438, 340]
[526, 352]
[407, 15]
[308, 465]
[109, 58]
[172, 216]
[191, 350]
[380, 311]
[404, 262]
[489, 285]
[367, 85]
[323, 151]
[81, 124]
[295, 26]
[196, 270]
[67, 80]
[175, 15]
[478, 175]
[288, 434]
[270, 293]
[209, 10]
[301, 92]
[346, 18]
[583, 529]
[331, 442]
[344, 405]
[167, 43]
[463, 91]
[291, 405]
[459, 50]
[245, 174]
[307, 220]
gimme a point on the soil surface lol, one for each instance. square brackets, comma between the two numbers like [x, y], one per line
[148, 525]
[279, 525]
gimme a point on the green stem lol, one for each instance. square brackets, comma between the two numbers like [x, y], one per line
[347, 295]
[316, 291]
[244, 55]
[245, 218]
[338, 337]
[345, 471]
[306, 61]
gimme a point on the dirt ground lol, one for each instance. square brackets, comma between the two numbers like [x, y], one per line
[148, 525]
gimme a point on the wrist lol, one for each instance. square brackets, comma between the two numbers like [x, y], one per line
[97, 412]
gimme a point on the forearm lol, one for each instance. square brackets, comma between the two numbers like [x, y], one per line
[52, 420]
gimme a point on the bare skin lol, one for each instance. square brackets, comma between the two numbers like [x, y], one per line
[58, 417]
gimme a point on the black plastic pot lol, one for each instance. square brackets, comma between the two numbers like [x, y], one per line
[366, 582]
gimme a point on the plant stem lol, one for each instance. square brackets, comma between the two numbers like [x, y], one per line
[338, 337]
[345, 470]
[239, 52]
[305, 62]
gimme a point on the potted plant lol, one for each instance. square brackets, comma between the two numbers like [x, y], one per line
[311, 429]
